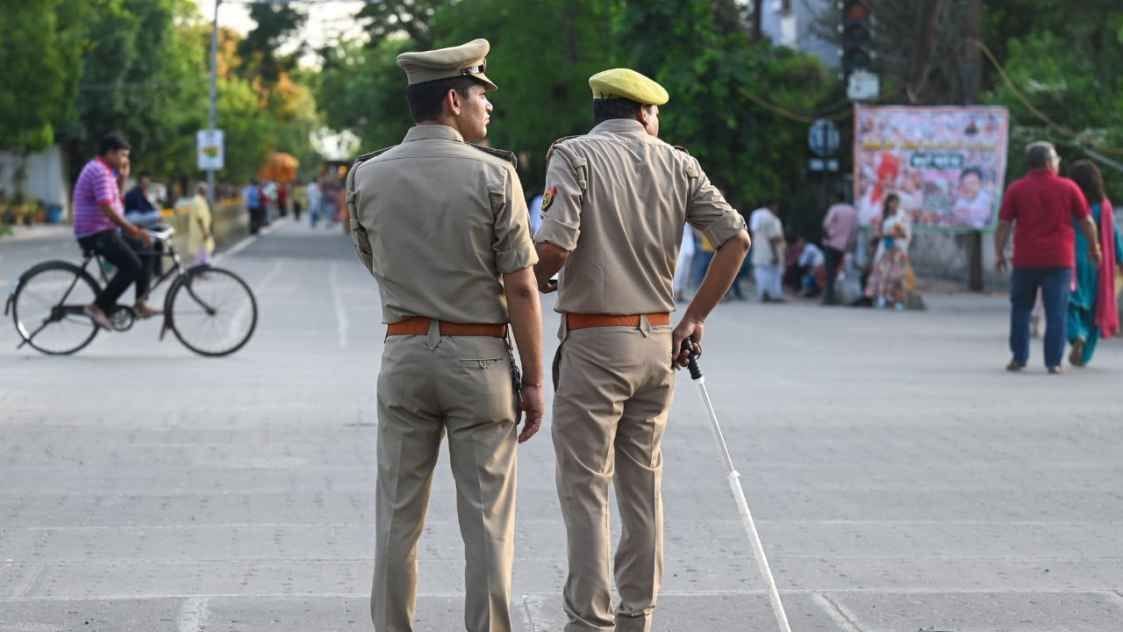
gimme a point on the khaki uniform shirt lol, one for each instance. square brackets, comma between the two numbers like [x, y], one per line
[437, 222]
[620, 199]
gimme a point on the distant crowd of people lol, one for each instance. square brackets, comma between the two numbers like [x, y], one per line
[839, 267]
[324, 198]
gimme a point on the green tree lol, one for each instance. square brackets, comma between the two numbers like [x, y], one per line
[383, 20]
[40, 58]
[362, 90]
[276, 24]
[572, 38]
[718, 79]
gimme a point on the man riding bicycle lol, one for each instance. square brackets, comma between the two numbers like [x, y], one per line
[98, 223]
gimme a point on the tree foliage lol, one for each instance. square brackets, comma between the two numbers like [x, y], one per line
[41, 68]
[80, 68]
[260, 53]
[542, 59]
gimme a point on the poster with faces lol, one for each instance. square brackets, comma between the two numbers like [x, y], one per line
[946, 164]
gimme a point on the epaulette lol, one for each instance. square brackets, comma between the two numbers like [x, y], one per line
[682, 149]
[509, 156]
[550, 151]
[367, 156]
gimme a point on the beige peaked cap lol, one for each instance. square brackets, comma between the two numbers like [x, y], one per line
[466, 60]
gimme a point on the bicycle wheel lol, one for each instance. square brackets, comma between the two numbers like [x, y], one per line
[47, 308]
[212, 311]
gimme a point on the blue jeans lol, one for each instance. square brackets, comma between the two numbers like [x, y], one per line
[1054, 284]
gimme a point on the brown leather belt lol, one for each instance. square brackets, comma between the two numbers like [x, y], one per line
[584, 321]
[419, 326]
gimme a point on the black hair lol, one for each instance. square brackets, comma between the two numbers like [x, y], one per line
[969, 170]
[1088, 177]
[605, 109]
[425, 99]
[885, 204]
[112, 142]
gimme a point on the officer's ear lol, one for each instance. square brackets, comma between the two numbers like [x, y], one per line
[649, 118]
[453, 102]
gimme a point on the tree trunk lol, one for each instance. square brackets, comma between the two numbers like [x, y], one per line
[921, 66]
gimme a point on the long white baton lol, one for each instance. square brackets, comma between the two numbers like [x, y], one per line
[739, 497]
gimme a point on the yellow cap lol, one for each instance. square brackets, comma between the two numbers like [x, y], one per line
[625, 83]
[466, 60]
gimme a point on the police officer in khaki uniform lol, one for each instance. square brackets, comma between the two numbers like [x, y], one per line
[613, 213]
[442, 225]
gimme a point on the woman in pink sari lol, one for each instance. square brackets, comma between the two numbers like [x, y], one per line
[1092, 309]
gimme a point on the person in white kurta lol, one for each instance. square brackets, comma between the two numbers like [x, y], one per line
[768, 255]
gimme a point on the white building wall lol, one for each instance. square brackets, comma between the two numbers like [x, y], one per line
[789, 23]
[44, 177]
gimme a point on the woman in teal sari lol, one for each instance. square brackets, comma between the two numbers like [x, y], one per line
[1092, 309]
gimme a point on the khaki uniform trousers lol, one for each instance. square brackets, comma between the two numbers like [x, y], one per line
[614, 390]
[429, 385]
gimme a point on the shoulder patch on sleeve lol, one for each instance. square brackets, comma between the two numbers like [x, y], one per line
[509, 156]
[548, 197]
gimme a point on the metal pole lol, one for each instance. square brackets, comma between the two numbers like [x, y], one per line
[212, 117]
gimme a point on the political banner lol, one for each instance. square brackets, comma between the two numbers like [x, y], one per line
[945, 164]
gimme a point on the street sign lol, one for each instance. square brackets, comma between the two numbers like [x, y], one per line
[863, 86]
[823, 138]
[830, 165]
[209, 144]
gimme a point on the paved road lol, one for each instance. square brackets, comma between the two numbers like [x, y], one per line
[901, 480]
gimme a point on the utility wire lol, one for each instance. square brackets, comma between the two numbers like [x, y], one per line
[1073, 137]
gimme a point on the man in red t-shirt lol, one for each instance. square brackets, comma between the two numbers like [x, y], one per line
[1042, 208]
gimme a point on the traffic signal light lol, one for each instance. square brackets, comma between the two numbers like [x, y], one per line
[857, 37]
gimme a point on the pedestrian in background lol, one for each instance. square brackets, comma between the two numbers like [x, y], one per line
[315, 202]
[441, 223]
[252, 200]
[768, 253]
[299, 200]
[1042, 209]
[840, 230]
[200, 228]
[887, 285]
[618, 200]
[683, 264]
[1092, 309]
[811, 263]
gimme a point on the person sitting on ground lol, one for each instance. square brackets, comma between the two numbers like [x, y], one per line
[812, 265]
[98, 225]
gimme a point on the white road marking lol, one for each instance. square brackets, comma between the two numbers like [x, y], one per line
[340, 310]
[992, 590]
[243, 311]
[842, 617]
[193, 615]
[246, 242]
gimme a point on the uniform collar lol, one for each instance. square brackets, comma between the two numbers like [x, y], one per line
[619, 126]
[432, 132]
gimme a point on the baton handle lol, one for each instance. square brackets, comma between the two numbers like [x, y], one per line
[692, 363]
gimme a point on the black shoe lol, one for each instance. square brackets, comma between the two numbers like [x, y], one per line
[1015, 366]
[1056, 370]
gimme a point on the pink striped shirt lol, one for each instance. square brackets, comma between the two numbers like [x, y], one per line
[96, 186]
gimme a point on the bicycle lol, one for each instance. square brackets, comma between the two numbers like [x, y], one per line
[211, 310]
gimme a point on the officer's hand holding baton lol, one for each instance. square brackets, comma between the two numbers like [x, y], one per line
[686, 340]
